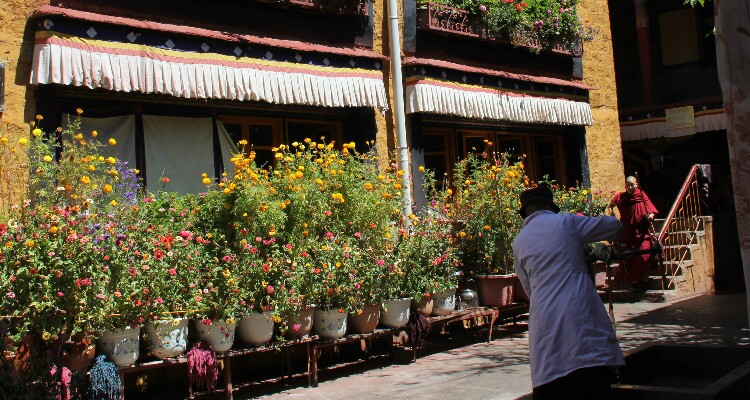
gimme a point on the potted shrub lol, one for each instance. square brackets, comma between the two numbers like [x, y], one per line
[485, 205]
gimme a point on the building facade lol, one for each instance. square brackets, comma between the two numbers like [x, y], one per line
[179, 86]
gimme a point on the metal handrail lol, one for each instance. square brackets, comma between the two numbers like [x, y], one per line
[680, 228]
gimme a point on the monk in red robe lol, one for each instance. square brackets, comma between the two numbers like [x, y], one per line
[636, 214]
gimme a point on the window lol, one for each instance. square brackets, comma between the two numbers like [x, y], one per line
[299, 130]
[262, 135]
[437, 153]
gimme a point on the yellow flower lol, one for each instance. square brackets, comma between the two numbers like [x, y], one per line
[368, 186]
[243, 142]
[53, 229]
[421, 168]
[85, 180]
[79, 136]
[47, 158]
[22, 141]
[449, 192]
[107, 188]
[111, 160]
[113, 203]
[30, 243]
[230, 321]
[462, 234]
[94, 134]
[36, 132]
[298, 174]
[101, 158]
[226, 273]
[338, 197]
[4, 140]
[206, 181]
[486, 227]
[91, 168]
[79, 111]
[175, 322]
[112, 142]
[400, 173]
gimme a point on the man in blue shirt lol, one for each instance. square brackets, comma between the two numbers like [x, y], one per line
[572, 344]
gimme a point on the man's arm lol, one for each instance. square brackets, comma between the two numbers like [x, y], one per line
[650, 208]
[595, 229]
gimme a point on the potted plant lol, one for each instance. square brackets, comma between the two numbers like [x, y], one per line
[485, 205]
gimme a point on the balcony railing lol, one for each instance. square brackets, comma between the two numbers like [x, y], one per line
[354, 7]
[451, 20]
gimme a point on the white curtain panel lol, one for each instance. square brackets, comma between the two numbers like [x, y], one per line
[55, 63]
[178, 148]
[121, 128]
[228, 148]
[426, 98]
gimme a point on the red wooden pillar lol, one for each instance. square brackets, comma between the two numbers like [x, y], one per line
[644, 48]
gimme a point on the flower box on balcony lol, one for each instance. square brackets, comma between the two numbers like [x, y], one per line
[457, 21]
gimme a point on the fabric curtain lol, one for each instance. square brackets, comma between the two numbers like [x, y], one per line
[228, 148]
[658, 129]
[493, 104]
[121, 128]
[180, 149]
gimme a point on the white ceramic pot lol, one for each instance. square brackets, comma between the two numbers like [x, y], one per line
[330, 324]
[219, 334]
[300, 324]
[396, 315]
[166, 339]
[256, 329]
[121, 345]
[444, 303]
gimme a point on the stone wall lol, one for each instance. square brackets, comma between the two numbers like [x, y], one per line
[603, 137]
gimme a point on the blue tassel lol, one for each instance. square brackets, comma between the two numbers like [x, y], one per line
[104, 380]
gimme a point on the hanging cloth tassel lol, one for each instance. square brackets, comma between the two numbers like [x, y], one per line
[417, 328]
[104, 380]
[202, 368]
[62, 386]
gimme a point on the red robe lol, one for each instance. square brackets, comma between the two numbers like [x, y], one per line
[634, 210]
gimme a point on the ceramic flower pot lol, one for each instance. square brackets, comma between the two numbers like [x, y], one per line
[219, 334]
[424, 305]
[79, 354]
[122, 345]
[445, 302]
[495, 290]
[396, 313]
[166, 339]
[366, 320]
[300, 324]
[256, 329]
[519, 294]
[330, 324]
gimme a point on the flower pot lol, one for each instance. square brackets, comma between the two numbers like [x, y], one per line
[519, 294]
[218, 334]
[121, 345]
[366, 320]
[166, 339]
[495, 290]
[330, 324]
[300, 324]
[445, 302]
[21, 358]
[396, 315]
[424, 305]
[256, 329]
[78, 354]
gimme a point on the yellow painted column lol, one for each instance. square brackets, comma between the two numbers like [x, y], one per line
[603, 137]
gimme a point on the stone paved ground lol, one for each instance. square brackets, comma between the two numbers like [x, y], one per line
[500, 369]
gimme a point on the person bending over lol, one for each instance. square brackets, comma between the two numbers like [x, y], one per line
[572, 344]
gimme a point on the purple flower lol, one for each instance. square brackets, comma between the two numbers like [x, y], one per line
[482, 8]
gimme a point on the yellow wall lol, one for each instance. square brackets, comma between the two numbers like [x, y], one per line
[602, 138]
[15, 52]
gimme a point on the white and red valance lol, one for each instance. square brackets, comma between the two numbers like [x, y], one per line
[89, 50]
[444, 88]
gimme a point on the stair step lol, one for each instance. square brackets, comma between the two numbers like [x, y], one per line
[626, 296]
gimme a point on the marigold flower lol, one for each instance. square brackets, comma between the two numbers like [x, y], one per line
[112, 142]
[23, 141]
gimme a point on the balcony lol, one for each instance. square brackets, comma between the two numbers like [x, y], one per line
[344, 7]
[454, 21]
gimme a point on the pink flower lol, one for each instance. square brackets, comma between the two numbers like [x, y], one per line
[329, 235]
[304, 254]
[159, 300]
[10, 295]
[172, 271]
[381, 263]
[100, 296]
[198, 298]
[258, 239]
[346, 255]
[357, 286]
[269, 289]
[227, 258]
[206, 322]
[357, 235]
[60, 294]
[288, 246]
[185, 234]
[327, 213]
[296, 327]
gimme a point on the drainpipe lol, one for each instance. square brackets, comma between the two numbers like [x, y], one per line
[398, 100]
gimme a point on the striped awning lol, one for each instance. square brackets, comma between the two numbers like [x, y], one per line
[85, 49]
[448, 89]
